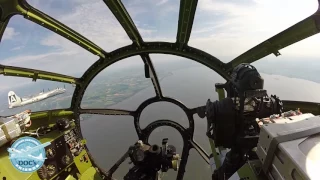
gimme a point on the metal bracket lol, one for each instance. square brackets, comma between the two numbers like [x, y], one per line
[272, 48]
[146, 70]
[288, 137]
[251, 170]
[35, 76]
[220, 88]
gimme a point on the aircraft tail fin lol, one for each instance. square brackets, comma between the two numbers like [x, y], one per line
[13, 98]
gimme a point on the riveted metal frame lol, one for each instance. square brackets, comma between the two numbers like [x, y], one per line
[9, 8]
[186, 17]
[36, 74]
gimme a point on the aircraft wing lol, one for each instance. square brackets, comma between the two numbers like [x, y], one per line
[40, 157]
[18, 156]
[16, 153]
[38, 147]
[27, 156]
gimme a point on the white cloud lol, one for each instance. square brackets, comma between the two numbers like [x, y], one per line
[66, 62]
[245, 26]
[237, 29]
[146, 32]
[9, 33]
[162, 2]
[13, 83]
[96, 22]
[57, 54]
[160, 17]
[225, 7]
[26, 59]
[225, 30]
[17, 48]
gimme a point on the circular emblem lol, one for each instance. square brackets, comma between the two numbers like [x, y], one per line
[27, 154]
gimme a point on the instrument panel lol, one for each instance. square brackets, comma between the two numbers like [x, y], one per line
[65, 157]
[60, 154]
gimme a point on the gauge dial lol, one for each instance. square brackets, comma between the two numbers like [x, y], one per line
[42, 172]
[66, 159]
[51, 169]
[50, 152]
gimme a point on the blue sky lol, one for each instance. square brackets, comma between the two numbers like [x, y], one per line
[222, 28]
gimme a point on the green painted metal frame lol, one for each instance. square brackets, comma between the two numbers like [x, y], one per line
[185, 22]
[9, 172]
[297, 32]
[21, 7]
[148, 47]
[36, 74]
[3, 25]
[186, 17]
[251, 170]
[122, 15]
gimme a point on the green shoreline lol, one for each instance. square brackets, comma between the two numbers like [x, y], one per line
[161, 79]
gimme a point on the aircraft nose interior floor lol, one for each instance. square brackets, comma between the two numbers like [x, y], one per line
[243, 122]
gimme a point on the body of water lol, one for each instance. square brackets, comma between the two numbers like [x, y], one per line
[110, 136]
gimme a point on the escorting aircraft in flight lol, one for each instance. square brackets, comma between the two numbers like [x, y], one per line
[16, 101]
